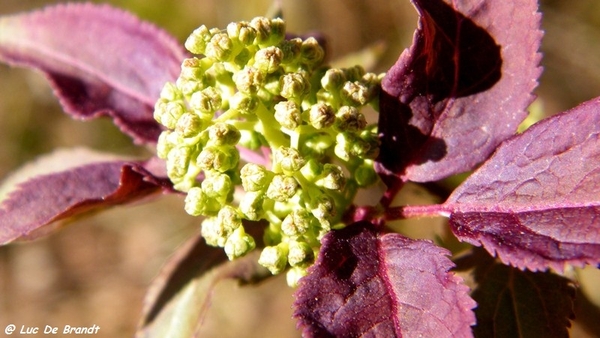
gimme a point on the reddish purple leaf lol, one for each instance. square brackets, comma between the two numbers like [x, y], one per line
[100, 61]
[461, 88]
[536, 202]
[91, 182]
[368, 284]
[515, 303]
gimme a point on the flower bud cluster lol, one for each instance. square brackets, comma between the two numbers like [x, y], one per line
[261, 113]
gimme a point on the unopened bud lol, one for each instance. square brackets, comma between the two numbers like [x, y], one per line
[207, 101]
[242, 32]
[350, 119]
[356, 93]
[196, 42]
[218, 186]
[291, 50]
[220, 47]
[300, 254]
[321, 115]
[332, 177]
[296, 223]
[223, 134]
[188, 125]
[268, 59]
[198, 203]
[289, 159]
[249, 80]
[311, 53]
[282, 188]
[294, 86]
[255, 177]
[333, 79]
[269, 32]
[288, 114]
[245, 104]
[274, 258]
[238, 244]
[220, 158]
[251, 205]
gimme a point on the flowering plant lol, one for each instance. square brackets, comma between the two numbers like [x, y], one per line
[272, 147]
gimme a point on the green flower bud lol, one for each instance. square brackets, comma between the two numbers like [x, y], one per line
[198, 203]
[333, 79]
[321, 115]
[356, 93]
[349, 145]
[245, 104]
[294, 274]
[365, 174]
[268, 59]
[209, 230]
[251, 205]
[218, 186]
[269, 32]
[251, 139]
[188, 125]
[168, 113]
[239, 244]
[170, 92]
[178, 160]
[274, 258]
[323, 208]
[223, 134]
[282, 188]
[164, 146]
[289, 160]
[370, 137]
[350, 119]
[206, 102]
[354, 73]
[242, 32]
[297, 223]
[240, 60]
[255, 177]
[294, 86]
[193, 69]
[300, 254]
[311, 53]
[332, 177]
[229, 218]
[291, 50]
[249, 80]
[221, 158]
[288, 114]
[220, 47]
[196, 42]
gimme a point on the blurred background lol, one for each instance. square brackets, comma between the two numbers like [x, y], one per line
[97, 270]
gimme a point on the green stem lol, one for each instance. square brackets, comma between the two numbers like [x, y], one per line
[268, 127]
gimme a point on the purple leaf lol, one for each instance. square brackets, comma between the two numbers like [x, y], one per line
[72, 183]
[515, 303]
[368, 284]
[99, 60]
[461, 88]
[178, 299]
[536, 202]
